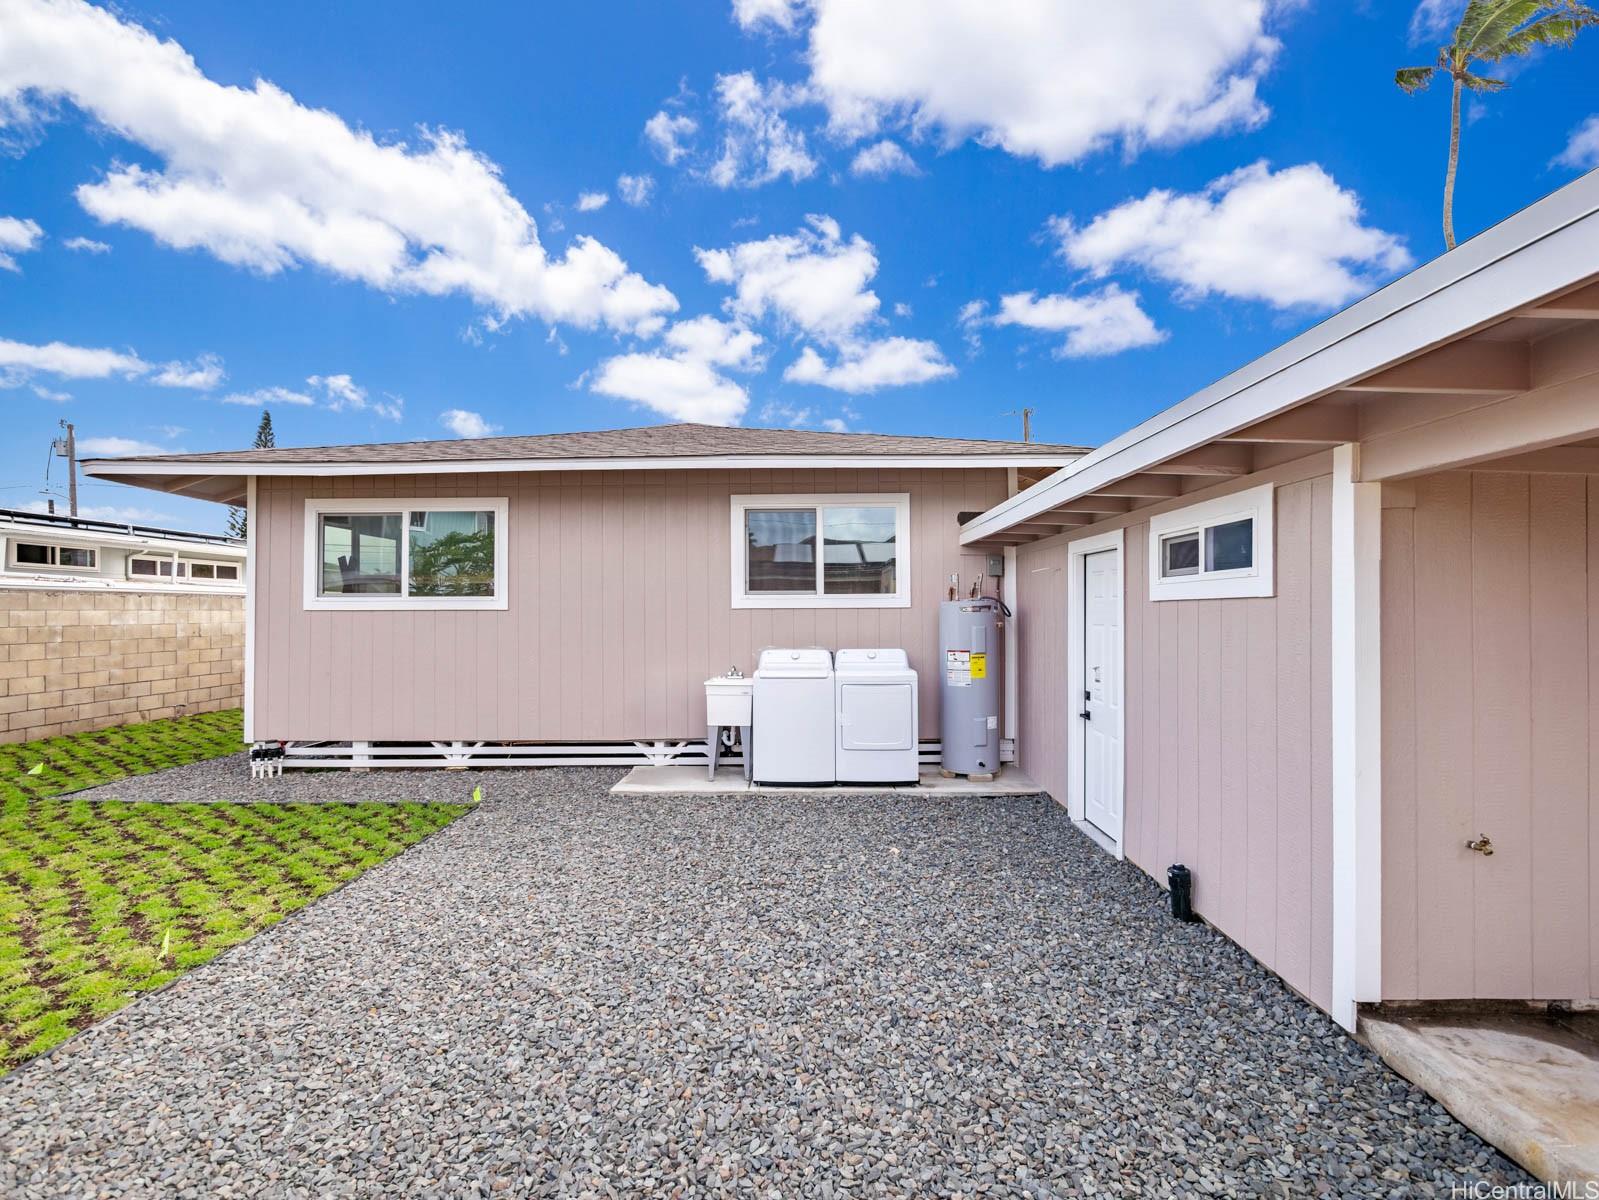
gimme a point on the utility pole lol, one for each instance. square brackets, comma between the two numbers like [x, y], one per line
[67, 447]
[1026, 414]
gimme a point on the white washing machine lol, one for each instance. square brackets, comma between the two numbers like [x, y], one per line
[793, 717]
[875, 701]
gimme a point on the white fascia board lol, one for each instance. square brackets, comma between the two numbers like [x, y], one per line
[1545, 248]
[110, 468]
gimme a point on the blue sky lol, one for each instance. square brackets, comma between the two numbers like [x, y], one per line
[913, 216]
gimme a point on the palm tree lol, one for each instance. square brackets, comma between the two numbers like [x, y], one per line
[1491, 31]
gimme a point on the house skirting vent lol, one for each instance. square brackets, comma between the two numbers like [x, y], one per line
[369, 755]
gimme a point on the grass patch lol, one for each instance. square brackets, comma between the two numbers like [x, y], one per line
[83, 760]
[100, 901]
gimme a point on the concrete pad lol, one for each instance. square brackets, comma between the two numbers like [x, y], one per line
[1522, 1083]
[691, 781]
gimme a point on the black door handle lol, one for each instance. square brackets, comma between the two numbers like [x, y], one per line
[1087, 716]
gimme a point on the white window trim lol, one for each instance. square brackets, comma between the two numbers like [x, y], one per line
[55, 547]
[1256, 504]
[312, 563]
[899, 501]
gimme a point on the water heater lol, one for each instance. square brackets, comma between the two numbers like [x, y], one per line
[971, 684]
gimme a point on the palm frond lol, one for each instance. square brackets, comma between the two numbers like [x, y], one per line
[1479, 13]
[1514, 16]
[1547, 31]
[1482, 83]
[1413, 79]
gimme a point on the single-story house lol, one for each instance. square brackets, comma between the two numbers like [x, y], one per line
[102, 623]
[1323, 631]
[563, 598]
[1327, 632]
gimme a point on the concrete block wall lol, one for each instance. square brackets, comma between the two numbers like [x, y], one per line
[79, 660]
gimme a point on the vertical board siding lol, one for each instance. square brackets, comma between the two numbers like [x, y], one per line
[1228, 734]
[619, 609]
[1490, 691]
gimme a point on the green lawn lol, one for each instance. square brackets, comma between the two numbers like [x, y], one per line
[100, 901]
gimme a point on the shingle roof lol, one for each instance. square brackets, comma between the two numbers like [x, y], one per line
[648, 441]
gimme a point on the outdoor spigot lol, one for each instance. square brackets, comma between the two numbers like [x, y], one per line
[1482, 844]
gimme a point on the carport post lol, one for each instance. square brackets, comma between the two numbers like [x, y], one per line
[1356, 671]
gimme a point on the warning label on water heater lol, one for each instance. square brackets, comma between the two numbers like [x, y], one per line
[958, 667]
[979, 665]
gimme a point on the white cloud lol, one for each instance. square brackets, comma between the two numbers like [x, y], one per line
[1434, 18]
[758, 143]
[635, 190]
[341, 393]
[1288, 238]
[720, 343]
[869, 367]
[835, 425]
[464, 423]
[18, 235]
[261, 181]
[775, 412]
[202, 375]
[667, 133]
[118, 445]
[87, 245]
[812, 280]
[1052, 81]
[268, 396]
[754, 14]
[70, 362]
[589, 201]
[882, 159]
[1097, 324]
[54, 397]
[685, 381]
[683, 389]
[813, 283]
[1582, 150]
[901, 309]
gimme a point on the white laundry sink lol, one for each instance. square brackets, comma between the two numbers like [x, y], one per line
[728, 701]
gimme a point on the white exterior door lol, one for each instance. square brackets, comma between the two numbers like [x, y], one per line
[1100, 689]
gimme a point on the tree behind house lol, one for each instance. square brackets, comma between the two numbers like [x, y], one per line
[1491, 31]
[265, 439]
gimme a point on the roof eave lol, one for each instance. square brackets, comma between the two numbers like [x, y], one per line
[206, 480]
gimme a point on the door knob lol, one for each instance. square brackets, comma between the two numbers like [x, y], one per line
[1483, 845]
[1086, 715]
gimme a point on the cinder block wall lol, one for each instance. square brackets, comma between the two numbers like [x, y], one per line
[79, 660]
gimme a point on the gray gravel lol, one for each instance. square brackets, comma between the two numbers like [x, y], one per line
[218, 779]
[569, 993]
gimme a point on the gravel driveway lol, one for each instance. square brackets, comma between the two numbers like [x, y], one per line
[568, 993]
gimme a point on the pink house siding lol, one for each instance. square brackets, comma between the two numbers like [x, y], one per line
[619, 608]
[1228, 728]
[1491, 725]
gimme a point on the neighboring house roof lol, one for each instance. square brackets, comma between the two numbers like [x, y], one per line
[1453, 333]
[16, 522]
[217, 475]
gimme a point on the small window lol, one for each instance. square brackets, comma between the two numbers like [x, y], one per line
[142, 566]
[1230, 547]
[45, 554]
[227, 571]
[820, 551]
[1180, 555]
[1217, 548]
[387, 554]
[202, 571]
